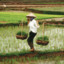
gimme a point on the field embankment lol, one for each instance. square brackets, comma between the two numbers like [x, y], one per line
[24, 7]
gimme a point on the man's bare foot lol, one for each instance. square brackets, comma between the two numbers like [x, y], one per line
[32, 50]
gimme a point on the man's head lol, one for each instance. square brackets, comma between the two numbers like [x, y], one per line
[31, 16]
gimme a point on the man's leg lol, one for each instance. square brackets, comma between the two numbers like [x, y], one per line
[30, 40]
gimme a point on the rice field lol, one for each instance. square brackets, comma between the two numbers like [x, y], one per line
[9, 43]
[58, 9]
[16, 17]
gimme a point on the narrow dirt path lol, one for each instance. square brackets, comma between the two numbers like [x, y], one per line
[34, 54]
[3, 22]
[43, 5]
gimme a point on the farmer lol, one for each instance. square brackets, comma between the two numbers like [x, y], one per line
[33, 25]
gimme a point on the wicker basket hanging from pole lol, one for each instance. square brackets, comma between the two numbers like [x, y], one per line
[40, 40]
[21, 34]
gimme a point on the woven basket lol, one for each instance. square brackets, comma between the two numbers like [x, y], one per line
[42, 42]
[21, 37]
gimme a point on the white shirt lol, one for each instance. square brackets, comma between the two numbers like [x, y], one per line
[33, 26]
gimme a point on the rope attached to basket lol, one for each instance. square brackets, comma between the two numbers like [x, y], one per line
[43, 28]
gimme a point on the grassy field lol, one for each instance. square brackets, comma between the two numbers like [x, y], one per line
[15, 17]
[9, 43]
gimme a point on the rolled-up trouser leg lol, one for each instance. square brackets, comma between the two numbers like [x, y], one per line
[30, 39]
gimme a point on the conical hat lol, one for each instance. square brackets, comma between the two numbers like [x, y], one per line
[31, 15]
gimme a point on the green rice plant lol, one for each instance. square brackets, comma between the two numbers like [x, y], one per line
[35, 58]
[22, 33]
[24, 60]
[43, 38]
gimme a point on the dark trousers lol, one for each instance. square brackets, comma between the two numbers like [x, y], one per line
[30, 39]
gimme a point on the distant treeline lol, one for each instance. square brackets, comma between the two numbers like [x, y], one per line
[32, 1]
